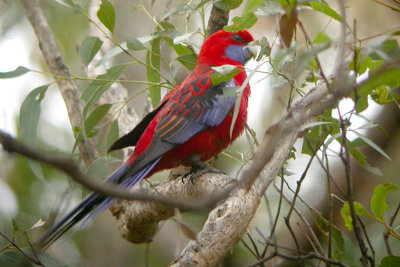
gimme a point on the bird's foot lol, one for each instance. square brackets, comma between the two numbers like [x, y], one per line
[197, 171]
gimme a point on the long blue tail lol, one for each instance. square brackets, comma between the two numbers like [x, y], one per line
[92, 205]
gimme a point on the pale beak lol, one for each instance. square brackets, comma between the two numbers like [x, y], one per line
[251, 47]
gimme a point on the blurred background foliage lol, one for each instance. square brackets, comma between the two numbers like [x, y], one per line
[30, 192]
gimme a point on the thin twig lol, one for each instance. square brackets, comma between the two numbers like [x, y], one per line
[386, 234]
[34, 260]
[330, 208]
[306, 223]
[304, 257]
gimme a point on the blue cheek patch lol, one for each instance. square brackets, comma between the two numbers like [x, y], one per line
[237, 53]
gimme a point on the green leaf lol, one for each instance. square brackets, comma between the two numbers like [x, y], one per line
[321, 38]
[240, 23]
[28, 122]
[96, 88]
[188, 60]
[369, 63]
[106, 15]
[185, 55]
[112, 53]
[343, 249]
[133, 43]
[270, 8]
[14, 259]
[239, 96]
[183, 38]
[382, 96]
[228, 4]
[44, 258]
[224, 73]
[30, 113]
[390, 261]
[99, 168]
[313, 124]
[347, 255]
[15, 73]
[119, 49]
[346, 215]
[89, 48]
[362, 103]
[318, 134]
[324, 8]
[15, 226]
[361, 160]
[113, 134]
[378, 200]
[167, 25]
[153, 74]
[96, 116]
[391, 48]
[389, 77]
[252, 5]
[69, 3]
[304, 58]
[265, 49]
[372, 144]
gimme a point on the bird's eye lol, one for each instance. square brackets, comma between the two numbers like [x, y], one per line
[237, 38]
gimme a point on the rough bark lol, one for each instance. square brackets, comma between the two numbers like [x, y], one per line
[68, 88]
[218, 19]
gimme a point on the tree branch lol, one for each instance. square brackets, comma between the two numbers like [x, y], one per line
[68, 87]
[69, 167]
[218, 19]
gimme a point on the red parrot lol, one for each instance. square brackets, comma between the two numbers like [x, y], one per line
[191, 125]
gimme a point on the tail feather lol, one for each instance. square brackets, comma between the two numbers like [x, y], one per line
[109, 201]
[92, 205]
[69, 220]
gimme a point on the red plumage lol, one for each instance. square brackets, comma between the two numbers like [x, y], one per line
[191, 125]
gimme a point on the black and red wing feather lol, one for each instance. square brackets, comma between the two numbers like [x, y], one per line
[131, 138]
[196, 106]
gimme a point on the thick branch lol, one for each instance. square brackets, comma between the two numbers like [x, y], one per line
[68, 87]
[69, 167]
[138, 222]
[218, 19]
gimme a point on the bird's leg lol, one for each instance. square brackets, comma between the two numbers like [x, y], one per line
[199, 168]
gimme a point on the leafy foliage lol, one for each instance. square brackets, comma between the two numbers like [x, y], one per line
[153, 61]
[293, 61]
[106, 14]
[15, 73]
[240, 23]
[89, 48]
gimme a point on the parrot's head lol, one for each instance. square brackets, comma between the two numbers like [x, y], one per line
[226, 48]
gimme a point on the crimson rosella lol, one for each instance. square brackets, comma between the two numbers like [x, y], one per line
[191, 125]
